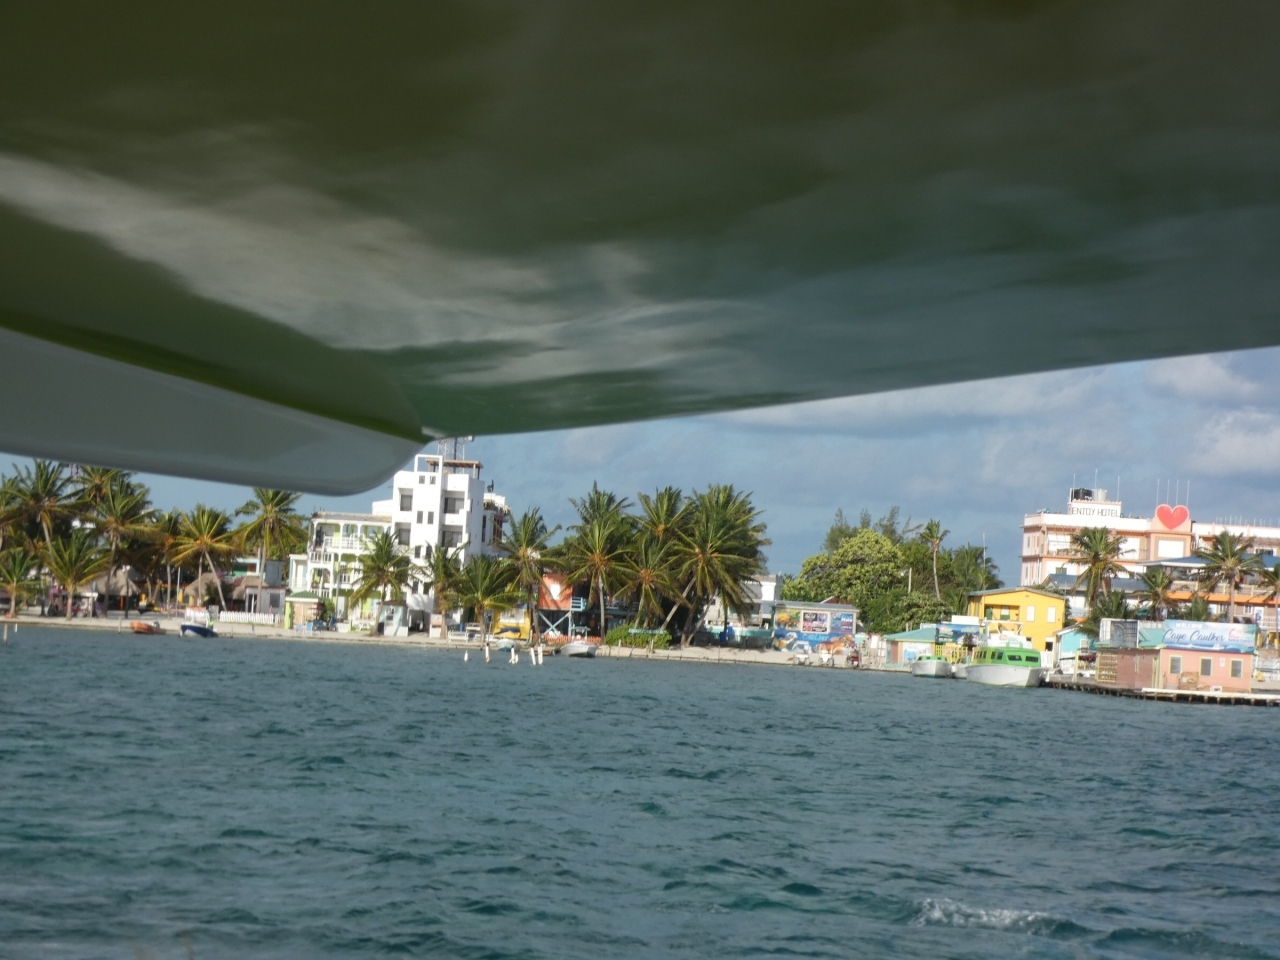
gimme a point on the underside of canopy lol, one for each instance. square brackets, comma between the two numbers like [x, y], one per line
[283, 243]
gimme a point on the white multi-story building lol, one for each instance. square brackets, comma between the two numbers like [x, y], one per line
[1169, 535]
[439, 503]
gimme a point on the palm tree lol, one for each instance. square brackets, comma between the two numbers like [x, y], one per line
[599, 505]
[488, 587]
[93, 483]
[17, 574]
[166, 529]
[1108, 606]
[720, 549]
[1269, 582]
[41, 497]
[525, 546]
[73, 561]
[123, 512]
[933, 535]
[594, 555]
[647, 573]
[8, 497]
[1157, 592]
[205, 535]
[1098, 549]
[441, 575]
[385, 570]
[275, 529]
[1229, 558]
[663, 514]
[1198, 609]
[974, 570]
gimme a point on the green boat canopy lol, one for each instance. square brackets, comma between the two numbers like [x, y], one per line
[286, 242]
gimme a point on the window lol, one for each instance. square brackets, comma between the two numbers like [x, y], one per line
[433, 481]
[988, 613]
[1175, 664]
[1237, 669]
[1004, 613]
[431, 516]
[1051, 614]
[402, 536]
[406, 502]
[417, 552]
[1206, 666]
[1031, 614]
[422, 478]
[419, 516]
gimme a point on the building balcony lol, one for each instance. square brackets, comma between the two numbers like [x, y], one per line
[454, 519]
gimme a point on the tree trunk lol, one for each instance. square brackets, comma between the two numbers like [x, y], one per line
[222, 597]
[71, 592]
[600, 581]
[672, 612]
[1231, 601]
[534, 633]
[937, 592]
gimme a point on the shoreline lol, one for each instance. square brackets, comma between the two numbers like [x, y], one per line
[245, 631]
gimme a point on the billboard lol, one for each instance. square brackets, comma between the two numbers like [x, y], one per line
[1193, 635]
[814, 624]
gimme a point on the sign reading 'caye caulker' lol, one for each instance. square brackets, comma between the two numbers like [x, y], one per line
[1193, 635]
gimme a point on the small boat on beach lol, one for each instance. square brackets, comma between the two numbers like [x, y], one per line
[143, 626]
[931, 665]
[579, 648]
[197, 630]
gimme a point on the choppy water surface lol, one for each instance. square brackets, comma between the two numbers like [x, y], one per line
[282, 799]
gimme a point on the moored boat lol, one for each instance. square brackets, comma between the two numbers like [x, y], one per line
[197, 630]
[1005, 666]
[931, 665]
[143, 626]
[579, 648]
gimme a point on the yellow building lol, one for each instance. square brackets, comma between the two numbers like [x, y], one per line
[1034, 613]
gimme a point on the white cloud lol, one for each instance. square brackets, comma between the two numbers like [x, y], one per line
[1206, 377]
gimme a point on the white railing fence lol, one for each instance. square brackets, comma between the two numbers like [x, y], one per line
[261, 619]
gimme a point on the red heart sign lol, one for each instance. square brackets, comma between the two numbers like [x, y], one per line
[1171, 517]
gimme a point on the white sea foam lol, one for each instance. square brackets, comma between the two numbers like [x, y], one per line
[946, 912]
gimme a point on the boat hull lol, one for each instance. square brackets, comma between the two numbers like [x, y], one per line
[139, 626]
[195, 630]
[931, 668]
[579, 648]
[1004, 675]
[960, 671]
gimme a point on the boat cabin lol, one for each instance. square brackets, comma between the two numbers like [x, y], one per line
[1011, 656]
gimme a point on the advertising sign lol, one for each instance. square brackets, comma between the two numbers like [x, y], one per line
[815, 621]
[1193, 635]
[813, 625]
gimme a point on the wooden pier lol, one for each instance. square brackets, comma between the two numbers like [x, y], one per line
[1221, 697]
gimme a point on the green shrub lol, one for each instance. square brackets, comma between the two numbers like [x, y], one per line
[623, 636]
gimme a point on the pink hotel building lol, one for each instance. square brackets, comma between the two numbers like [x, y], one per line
[1168, 535]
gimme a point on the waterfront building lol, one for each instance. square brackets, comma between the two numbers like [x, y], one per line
[1169, 534]
[1034, 613]
[437, 503]
[1177, 655]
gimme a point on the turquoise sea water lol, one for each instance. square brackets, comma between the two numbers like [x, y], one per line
[287, 799]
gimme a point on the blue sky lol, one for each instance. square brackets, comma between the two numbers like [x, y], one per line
[976, 456]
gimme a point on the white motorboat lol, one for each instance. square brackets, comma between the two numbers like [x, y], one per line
[931, 666]
[1008, 661]
[579, 648]
[960, 671]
